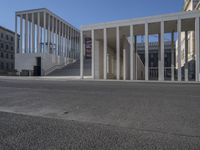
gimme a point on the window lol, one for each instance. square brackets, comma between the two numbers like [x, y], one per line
[12, 39]
[7, 55]
[11, 56]
[7, 37]
[7, 66]
[2, 65]
[2, 46]
[12, 66]
[1, 54]
[11, 48]
[6, 47]
[1, 35]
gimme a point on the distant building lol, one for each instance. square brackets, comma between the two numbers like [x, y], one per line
[7, 51]
[47, 42]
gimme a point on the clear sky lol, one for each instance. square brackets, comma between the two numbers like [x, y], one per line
[82, 12]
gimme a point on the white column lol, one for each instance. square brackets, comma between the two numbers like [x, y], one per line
[48, 35]
[33, 34]
[16, 39]
[186, 56]
[93, 54]
[179, 50]
[30, 33]
[146, 52]
[124, 64]
[81, 55]
[26, 34]
[59, 39]
[38, 32]
[161, 63]
[197, 47]
[105, 52]
[56, 40]
[118, 53]
[72, 33]
[132, 77]
[21, 35]
[53, 35]
[44, 32]
[68, 42]
[135, 56]
[62, 42]
[65, 39]
[172, 56]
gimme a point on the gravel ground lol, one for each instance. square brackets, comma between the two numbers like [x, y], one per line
[21, 132]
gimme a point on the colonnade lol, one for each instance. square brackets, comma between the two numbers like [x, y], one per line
[42, 32]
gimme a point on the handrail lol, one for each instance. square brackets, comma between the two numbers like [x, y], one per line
[49, 70]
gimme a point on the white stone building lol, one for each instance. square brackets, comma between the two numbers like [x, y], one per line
[114, 51]
[47, 42]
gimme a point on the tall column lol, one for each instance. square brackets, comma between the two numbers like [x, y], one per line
[41, 38]
[53, 35]
[56, 40]
[146, 52]
[16, 39]
[105, 52]
[21, 35]
[75, 45]
[26, 34]
[68, 42]
[186, 55]
[33, 34]
[44, 32]
[118, 53]
[132, 76]
[197, 47]
[29, 37]
[93, 55]
[161, 62]
[172, 56]
[65, 40]
[124, 64]
[48, 35]
[179, 50]
[59, 39]
[81, 55]
[38, 32]
[135, 56]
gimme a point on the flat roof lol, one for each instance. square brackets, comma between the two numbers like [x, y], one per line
[143, 20]
[18, 13]
[6, 29]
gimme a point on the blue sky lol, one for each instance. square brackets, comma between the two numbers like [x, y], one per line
[82, 12]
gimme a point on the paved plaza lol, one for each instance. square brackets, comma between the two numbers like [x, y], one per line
[44, 114]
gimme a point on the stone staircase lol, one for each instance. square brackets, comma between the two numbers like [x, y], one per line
[73, 69]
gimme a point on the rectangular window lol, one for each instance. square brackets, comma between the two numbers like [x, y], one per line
[2, 46]
[1, 54]
[6, 47]
[12, 66]
[12, 39]
[7, 66]
[2, 65]
[1, 35]
[7, 38]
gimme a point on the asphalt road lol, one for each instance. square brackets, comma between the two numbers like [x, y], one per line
[106, 115]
